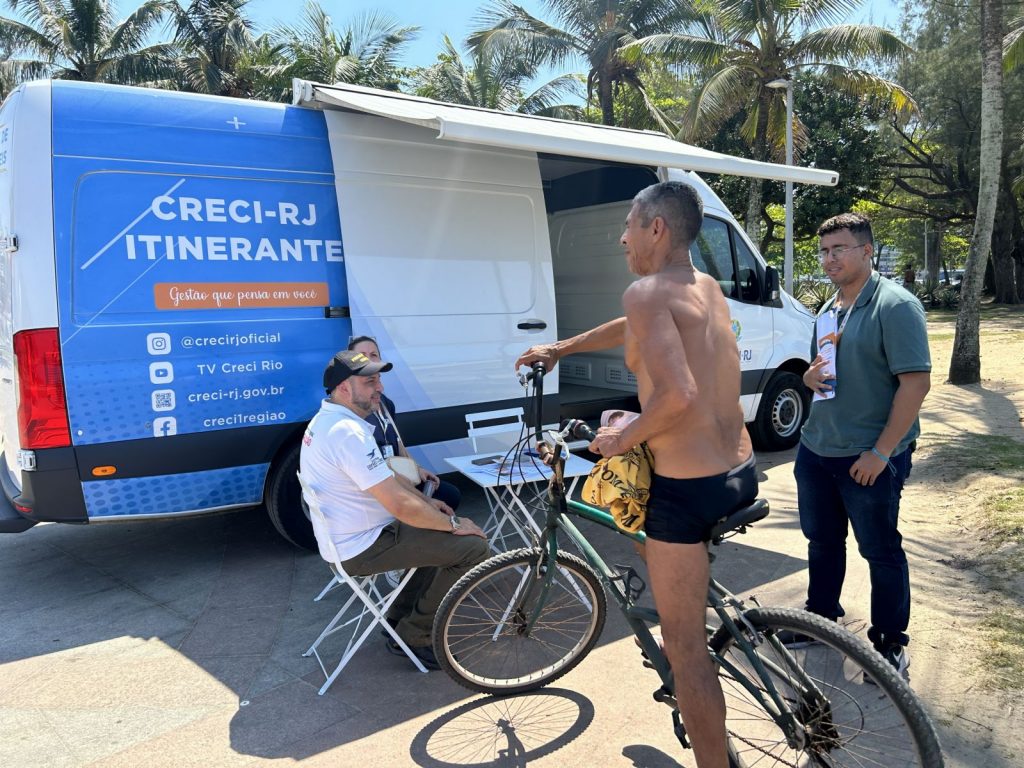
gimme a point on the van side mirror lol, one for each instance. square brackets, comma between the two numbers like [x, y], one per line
[771, 285]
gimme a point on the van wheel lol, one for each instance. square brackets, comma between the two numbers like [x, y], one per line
[283, 502]
[783, 410]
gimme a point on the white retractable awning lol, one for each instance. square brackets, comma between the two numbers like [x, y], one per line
[542, 134]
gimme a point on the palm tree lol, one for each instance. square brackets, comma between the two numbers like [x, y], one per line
[83, 41]
[1013, 43]
[965, 362]
[214, 37]
[365, 52]
[591, 30]
[496, 79]
[738, 47]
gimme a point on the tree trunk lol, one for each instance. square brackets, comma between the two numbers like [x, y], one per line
[933, 260]
[1005, 242]
[606, 98]
[965, 363]
[754, 191]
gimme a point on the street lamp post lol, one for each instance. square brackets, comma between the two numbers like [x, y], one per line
[787, 263]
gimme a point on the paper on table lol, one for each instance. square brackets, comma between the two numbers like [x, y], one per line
[825, 327]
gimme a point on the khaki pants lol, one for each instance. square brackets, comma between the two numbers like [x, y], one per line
[441, 558]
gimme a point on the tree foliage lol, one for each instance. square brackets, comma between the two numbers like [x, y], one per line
[738, 49]
[933, 166]
[364, 52]
[840, 135]
[591, 31]
[496, 78]
[83, 41]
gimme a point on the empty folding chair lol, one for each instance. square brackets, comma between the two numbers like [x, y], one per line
[502, 428]
[372, 595]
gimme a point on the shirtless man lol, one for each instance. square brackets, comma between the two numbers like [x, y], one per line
[679, 343]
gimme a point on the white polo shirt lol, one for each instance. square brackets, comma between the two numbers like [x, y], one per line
[340, 460]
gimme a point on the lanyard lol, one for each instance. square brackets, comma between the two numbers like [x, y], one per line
[846, 317]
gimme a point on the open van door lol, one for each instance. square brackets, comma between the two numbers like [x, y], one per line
[448, 265]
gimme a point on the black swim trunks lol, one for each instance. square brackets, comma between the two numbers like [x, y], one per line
[683, 511]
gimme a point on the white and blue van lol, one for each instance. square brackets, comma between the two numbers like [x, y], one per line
[177, 269]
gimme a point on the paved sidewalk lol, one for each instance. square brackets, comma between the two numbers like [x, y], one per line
[179, 644]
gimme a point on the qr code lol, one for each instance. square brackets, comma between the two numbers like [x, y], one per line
[163, 400]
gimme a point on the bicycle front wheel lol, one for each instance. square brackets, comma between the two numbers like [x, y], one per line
[848, 705]
[499, 631]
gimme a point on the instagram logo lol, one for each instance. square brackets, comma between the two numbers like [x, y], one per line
[158, 343]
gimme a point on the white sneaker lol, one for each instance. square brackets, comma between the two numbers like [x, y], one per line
[899, 658]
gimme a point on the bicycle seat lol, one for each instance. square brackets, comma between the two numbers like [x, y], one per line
[738, 519]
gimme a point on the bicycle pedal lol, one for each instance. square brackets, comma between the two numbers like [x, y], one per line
[632, 585]
[664, 696]
[679, 730]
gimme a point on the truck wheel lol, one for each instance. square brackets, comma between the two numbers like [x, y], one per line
[283, 502]
[783, 410]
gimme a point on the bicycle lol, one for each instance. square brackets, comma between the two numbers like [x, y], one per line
[515, 623]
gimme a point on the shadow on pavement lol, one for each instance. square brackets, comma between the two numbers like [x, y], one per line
[203, 621]
[504, 732]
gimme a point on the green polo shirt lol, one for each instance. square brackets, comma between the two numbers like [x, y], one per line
[885, 336]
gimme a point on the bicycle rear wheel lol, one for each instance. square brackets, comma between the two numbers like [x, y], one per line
[482, 637]
[842, 719]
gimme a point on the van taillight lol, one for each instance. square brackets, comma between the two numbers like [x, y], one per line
[42, 409]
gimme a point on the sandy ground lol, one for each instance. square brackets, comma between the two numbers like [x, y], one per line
[978, 724]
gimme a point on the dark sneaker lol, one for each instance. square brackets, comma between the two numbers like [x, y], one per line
[422, 652]
[898, 657]
[794, 640]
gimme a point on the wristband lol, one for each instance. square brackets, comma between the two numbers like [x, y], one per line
[879, 454]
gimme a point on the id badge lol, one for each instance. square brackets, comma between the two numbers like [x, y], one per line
[825, 327]
[387, 450]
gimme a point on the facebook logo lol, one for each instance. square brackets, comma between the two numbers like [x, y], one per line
[161, 373]
[165, 426]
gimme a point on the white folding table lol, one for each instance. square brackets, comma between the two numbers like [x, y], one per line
[511, 513]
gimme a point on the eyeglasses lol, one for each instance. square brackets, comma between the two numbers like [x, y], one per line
[837, 252]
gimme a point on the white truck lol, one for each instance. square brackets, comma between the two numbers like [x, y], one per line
[177, 269]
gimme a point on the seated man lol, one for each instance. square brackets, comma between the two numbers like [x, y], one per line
[376, 524]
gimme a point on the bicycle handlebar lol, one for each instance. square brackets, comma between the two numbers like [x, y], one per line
[537, 376]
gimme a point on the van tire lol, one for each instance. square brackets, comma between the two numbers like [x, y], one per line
[783, 410]
[283, 502]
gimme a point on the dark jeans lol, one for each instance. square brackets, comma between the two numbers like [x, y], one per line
[829, 499]
[440, 557]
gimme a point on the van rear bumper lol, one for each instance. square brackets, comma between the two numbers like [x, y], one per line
[11, 520]
[51, 492]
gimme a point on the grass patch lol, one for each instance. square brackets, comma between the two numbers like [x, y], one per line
[967, 453]
[1003, 515]
[1004, 334]
[1002, 520]
[1004, 635]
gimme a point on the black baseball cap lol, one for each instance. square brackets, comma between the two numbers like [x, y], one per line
[348, 363]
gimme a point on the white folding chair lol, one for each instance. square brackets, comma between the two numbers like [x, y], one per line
[373, 591]
[504, 426]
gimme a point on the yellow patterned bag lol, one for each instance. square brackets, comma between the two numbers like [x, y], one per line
[622, 484]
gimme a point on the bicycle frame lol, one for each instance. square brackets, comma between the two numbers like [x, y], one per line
[720, 600]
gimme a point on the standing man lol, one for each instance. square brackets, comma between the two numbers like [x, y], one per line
[679, 343]
[376, 524]
[855, 448]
